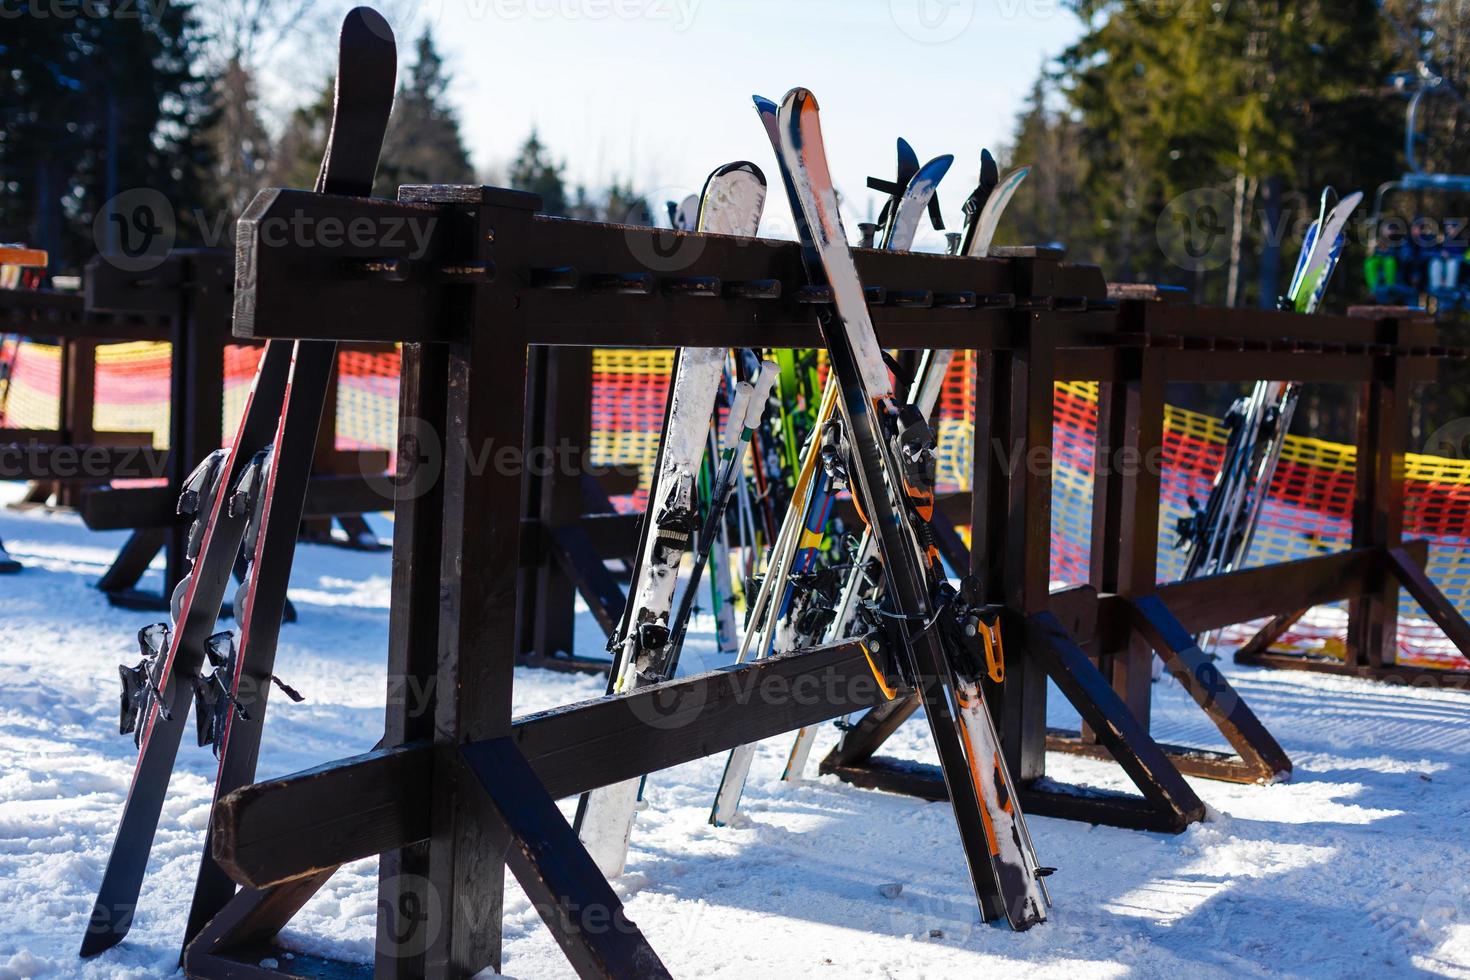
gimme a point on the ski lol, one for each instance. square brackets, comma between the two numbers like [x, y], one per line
[983, 211]
[1218, 536]
[290, 375]
[807, 601]
[892, 462]
[984, 207]
[731, 204]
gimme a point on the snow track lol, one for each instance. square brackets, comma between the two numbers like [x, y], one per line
[1353, 869]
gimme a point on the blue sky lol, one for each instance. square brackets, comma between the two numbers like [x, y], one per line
[659, 90]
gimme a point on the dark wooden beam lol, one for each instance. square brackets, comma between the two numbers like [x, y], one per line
[1263, 757]
[357, 807]
[1114, 726]
[558, 875]
[1410, 573]
[1214, 601]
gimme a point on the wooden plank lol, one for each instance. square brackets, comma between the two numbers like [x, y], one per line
[558, 875]
[1115, 727]
[132, 560]
[1267, 635]
[413, 643]
[1224, 766]
[1204, 682]
[124, 508]
[1433, 678]
[584, 566]
[478, 575]
[82, 462]
[1434, 602]
[357, 807]
[1208, 603]
[1378, 503]
[236, 940]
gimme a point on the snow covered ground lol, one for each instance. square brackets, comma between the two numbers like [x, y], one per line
[1355, 868]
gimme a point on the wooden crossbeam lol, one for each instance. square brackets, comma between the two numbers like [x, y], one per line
[1114, 725]
[1214, 601]
[1262, 758]
[558, 875]
[1410, 573]
[354, 808]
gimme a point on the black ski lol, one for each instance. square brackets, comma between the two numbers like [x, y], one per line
[924, 620]
[286, 402]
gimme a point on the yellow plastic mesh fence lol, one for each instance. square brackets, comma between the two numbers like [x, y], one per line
[132, 390]
[1308, 511]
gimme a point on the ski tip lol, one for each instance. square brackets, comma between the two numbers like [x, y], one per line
[1014, 178]
[989, 171]
[763, 104]
[740, 166]
[364, 22]
[800, 98]
[907, 158]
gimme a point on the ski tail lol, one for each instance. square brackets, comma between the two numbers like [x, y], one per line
[1326, 251]
[988, 220]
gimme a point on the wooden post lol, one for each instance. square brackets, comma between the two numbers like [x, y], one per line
[1378, 504]
[483, 462]
[1025, 541]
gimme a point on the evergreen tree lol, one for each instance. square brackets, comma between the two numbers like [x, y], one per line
[423, 144]
[534, 170]
[626, 206]
[298, 152]
[242, 149]
[97, 104]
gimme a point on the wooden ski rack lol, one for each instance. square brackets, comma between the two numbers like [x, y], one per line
[186, 301]
[457, 788]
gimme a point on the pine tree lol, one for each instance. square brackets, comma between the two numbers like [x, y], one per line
[298, 152]
[423, 143]
[98, 105]
[626, 206]
[534, 170]
[242, 149]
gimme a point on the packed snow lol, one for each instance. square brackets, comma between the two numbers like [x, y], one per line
[1354, 868]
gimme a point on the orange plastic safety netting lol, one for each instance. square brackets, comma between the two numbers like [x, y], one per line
[132, 390]
[1308, 511]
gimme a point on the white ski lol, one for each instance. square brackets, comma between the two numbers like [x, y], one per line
[731, 204]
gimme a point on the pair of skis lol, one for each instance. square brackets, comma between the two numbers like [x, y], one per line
[246, 501]
[921, 642]
[1218, 536]
[649, 639]
[983, 210]
[796, 604]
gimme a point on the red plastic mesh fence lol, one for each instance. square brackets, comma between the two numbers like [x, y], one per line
[1307, 513]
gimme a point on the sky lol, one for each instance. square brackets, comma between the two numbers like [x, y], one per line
[658, 91]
